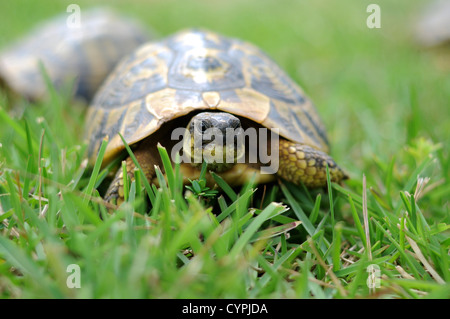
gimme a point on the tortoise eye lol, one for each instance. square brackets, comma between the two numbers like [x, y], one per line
[203, 126]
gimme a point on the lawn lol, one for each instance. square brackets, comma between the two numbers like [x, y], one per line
[385, 103]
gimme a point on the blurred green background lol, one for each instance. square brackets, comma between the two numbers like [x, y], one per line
[376, 89]
[384, 101]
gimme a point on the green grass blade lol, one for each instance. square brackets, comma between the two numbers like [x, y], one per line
[298, 211]
[95, 171]
[224, 186]
[272, 209]
[148, 188]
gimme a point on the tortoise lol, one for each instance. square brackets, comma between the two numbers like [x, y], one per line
[85, 53]
[433, 27]
[197, 80]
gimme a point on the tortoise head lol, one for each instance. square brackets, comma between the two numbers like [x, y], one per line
[214, 137]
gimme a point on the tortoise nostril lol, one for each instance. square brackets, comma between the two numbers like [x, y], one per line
[236, 123]
[203, 127]
[200, 126]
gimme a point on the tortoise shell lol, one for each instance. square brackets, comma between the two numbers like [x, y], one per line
[86, 53]
[198, 70]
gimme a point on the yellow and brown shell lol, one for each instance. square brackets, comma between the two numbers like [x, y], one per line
[84, 53]
[198, 70]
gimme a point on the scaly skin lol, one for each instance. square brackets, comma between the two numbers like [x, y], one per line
[115, 194]
[304, 164]
[298, 164]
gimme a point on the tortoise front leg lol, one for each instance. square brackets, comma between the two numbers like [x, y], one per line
[303, 164]
[115, 192]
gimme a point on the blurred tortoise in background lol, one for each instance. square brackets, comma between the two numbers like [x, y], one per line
[85, 54]
[198, 80]
[433, 26]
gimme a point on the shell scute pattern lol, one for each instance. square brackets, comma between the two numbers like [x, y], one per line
[142, 73]
[205, 69]
[84, 55]
[195, 70]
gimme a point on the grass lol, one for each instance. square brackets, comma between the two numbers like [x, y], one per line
[385, 106]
